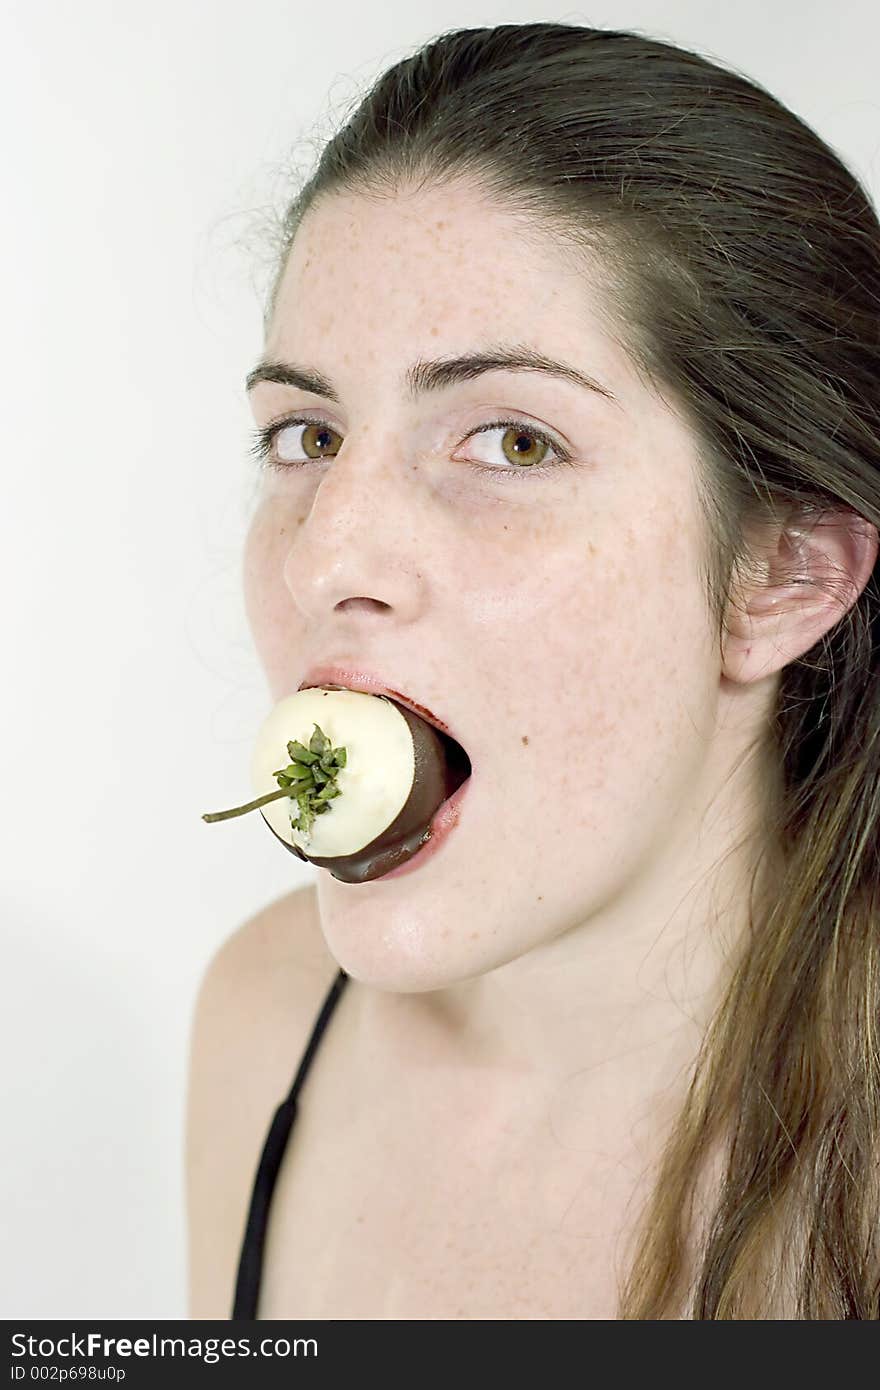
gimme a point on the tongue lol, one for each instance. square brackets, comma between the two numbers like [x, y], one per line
[440, 768]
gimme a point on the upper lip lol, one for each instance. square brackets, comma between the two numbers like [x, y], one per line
[352, 679]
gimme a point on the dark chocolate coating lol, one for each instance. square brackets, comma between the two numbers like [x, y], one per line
[435, 779]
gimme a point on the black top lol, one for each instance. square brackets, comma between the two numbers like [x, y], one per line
[250, 1261]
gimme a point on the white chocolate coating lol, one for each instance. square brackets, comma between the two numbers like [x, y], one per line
[373, 785]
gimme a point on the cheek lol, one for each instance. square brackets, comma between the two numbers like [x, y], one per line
[606, 640]
[268, 604]
[645, 654]
[258, 566]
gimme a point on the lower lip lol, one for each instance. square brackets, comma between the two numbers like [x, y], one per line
[444, 821]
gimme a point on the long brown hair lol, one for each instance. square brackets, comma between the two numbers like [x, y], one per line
[745, 263]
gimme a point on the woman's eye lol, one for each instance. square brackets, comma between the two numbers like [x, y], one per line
[520, 446]
[292, 438]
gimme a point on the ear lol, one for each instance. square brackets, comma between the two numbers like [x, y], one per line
[806, 576]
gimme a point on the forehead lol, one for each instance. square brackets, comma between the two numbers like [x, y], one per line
[438, 269]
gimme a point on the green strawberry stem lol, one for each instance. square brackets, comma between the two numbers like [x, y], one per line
[309, 779]
[251, 806]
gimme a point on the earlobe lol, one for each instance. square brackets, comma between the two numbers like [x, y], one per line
[803, 580]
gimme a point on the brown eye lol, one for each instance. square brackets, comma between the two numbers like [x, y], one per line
[523, 447]
[316, 442]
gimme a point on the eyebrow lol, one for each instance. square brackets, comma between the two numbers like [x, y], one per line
[436, 374]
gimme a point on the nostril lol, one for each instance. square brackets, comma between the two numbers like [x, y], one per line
[368, 604]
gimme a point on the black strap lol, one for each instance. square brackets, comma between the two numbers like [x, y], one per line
[250, 1263]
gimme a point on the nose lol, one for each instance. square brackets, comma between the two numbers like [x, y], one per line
[358, 549]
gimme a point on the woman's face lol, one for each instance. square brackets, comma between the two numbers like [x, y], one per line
[550, 611]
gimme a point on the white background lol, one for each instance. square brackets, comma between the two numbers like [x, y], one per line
[143, 146]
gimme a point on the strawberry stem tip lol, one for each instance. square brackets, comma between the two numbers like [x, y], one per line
[309, 779]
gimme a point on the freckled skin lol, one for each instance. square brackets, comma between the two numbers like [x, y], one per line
[568, 604]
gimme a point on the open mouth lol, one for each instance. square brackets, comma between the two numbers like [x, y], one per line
[400, 786]
[457, 775]
[458, 764]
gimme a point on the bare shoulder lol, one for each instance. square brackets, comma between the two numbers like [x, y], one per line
[255, 1007]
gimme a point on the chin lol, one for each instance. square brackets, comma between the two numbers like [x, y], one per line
[416, 946]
